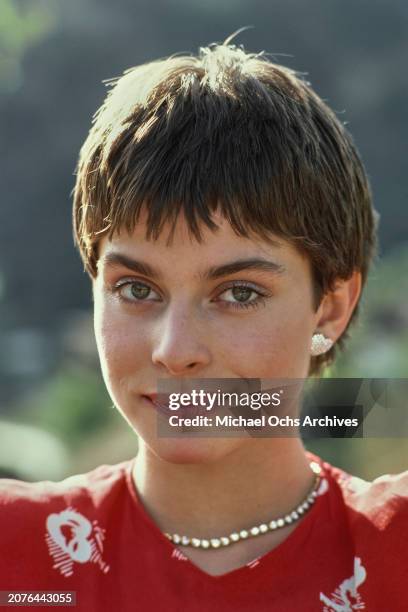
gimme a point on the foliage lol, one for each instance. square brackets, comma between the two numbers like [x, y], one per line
[73, 404]
[21, 26]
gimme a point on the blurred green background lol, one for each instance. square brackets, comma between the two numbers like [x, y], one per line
[55, 415]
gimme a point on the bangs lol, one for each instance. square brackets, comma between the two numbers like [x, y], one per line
[194, 159]
[182, 142]
[231, 132]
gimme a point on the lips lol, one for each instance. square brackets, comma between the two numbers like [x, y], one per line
[151, 396]
[153, 399]
[161, 403]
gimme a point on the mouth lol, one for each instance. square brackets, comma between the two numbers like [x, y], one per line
[160, 402]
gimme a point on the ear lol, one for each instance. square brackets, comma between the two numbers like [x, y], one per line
[337, 307]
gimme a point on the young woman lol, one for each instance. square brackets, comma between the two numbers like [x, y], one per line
[224, 217]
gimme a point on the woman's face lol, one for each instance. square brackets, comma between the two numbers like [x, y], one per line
[230, 307]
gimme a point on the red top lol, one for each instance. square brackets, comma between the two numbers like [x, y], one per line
[91, 534]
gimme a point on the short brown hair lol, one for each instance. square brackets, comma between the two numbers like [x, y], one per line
[230, 130]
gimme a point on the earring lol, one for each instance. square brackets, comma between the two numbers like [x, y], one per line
[320, 344]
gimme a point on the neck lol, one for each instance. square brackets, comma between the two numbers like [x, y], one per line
[262, 480]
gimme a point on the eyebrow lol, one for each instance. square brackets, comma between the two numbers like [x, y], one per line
[244, 264]
[115, 260]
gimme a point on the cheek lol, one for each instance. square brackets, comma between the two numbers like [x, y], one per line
[122, 347]
[277, 346]
[292, 339]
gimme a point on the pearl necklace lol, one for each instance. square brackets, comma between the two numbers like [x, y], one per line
[257, 530]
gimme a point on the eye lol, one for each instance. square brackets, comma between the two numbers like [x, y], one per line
[242, 295]
[135, 291]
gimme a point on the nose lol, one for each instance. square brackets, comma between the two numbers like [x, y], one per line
[179, 347]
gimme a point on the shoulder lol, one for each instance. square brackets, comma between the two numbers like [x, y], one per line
[104, 476]
[24, 501]
[372, 518]
[47, 527]
[376, 511]
[381, 500]
[384, 497]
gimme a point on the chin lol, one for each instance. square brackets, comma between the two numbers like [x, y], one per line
[194, 451]
[177, 448]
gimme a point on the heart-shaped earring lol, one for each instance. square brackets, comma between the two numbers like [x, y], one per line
[320, 344]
